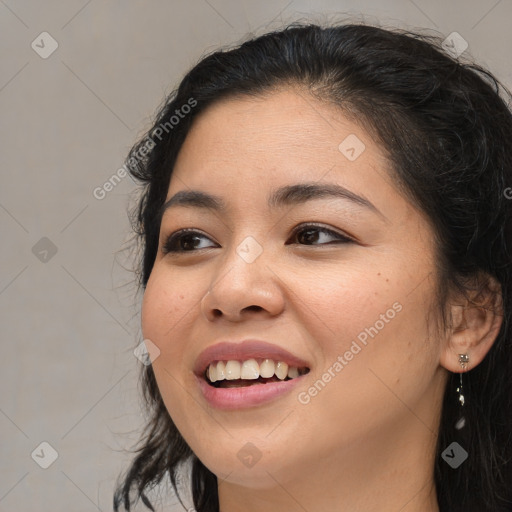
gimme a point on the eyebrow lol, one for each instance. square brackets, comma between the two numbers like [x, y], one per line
[288, 195]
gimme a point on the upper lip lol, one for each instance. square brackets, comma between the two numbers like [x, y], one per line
[243, 350]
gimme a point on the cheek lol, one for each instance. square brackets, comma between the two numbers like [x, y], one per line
[167, 308]
[372, 321]
[345, 304]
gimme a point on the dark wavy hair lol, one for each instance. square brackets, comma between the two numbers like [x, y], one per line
[446, 125]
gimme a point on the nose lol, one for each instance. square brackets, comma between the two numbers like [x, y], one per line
[243, 289]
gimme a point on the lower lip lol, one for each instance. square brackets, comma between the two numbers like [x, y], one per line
[247, 396]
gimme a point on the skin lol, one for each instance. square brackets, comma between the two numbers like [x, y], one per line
[366, 441]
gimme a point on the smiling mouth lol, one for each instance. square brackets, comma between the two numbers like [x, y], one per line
[235, 374]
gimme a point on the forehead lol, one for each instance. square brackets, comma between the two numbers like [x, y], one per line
[283, 121]
[285, 132]
[243, 149]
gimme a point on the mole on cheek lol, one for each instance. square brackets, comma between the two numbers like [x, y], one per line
[387, 280]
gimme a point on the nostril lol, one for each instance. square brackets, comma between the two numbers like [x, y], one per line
[254, 308]
[218, 313]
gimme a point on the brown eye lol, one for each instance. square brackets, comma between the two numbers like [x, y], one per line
[185, 240]
[312, 234]
[190, 240]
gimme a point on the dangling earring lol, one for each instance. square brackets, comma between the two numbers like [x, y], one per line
[463, 361]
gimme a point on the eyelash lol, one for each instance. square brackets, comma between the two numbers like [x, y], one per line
[168, 246]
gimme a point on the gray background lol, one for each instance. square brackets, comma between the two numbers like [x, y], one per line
[70, 320]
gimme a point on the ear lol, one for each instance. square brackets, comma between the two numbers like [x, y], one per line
[475, 321]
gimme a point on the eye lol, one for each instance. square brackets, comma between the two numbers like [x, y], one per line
[189, 240]
[184, 240]
[313, 234]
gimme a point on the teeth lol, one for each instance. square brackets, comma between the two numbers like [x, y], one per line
[281, 370]
[251, 370]
[267, 368]
[221, 370]
[232, 370]
[292, 372]
[212, 373]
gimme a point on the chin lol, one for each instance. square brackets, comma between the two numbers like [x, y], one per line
[262, 475]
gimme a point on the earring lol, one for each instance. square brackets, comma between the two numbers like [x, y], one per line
[463, 361]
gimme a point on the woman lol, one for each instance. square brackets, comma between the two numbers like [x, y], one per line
[326, 266]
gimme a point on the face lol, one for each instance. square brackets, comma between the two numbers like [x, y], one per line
[334, 278]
